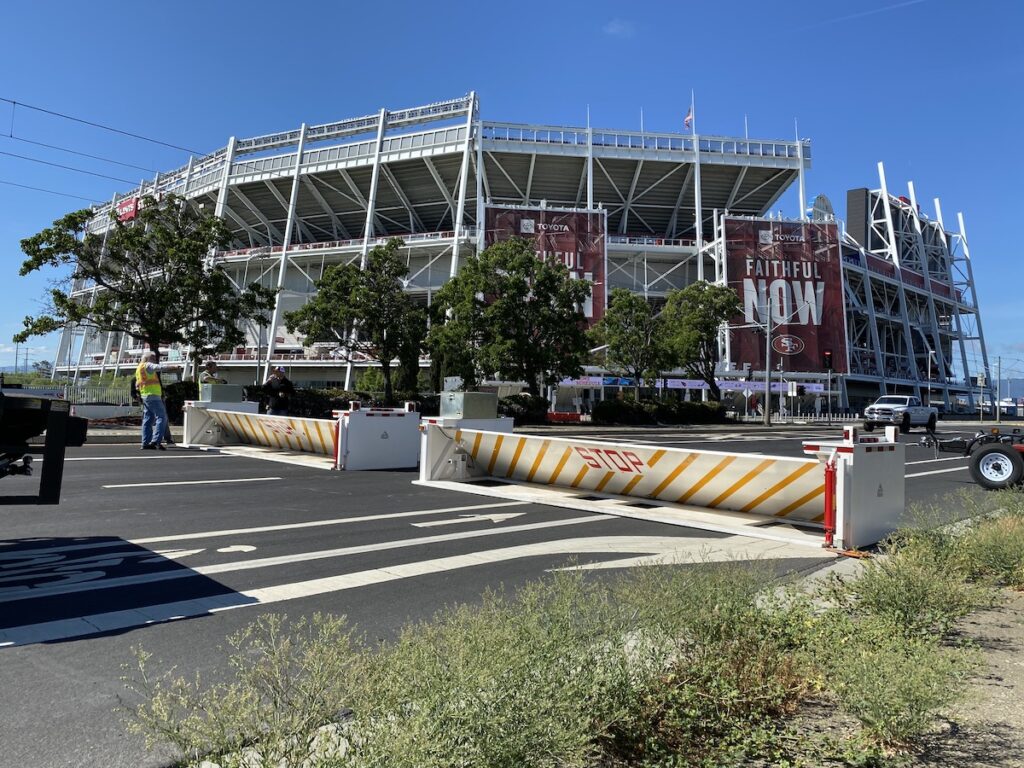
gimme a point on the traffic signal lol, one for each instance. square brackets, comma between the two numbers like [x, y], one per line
[801, 390]
[827, 360]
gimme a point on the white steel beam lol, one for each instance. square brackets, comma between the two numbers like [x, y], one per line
[970, 278]
[361, 201]
[463, 178]
[271, 228]
[440, 184]
[289, 208]
[415, 222]
[697, 210]
[894, 254]
[624, 219]
[336, 224]
[371, 204]
[481, 211]
[289, 228]
[670, 230]
[736, 186]
[529, 179]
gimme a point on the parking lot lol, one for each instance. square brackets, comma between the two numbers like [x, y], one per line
[174, 551]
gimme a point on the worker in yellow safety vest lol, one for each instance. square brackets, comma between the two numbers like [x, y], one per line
[154, 414]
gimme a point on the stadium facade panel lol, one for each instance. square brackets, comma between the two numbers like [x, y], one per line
[301, 200]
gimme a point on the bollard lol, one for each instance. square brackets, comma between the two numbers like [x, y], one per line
[830, 500]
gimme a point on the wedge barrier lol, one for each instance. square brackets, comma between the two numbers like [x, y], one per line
[286, 433]
[868, 492]
[357, 438]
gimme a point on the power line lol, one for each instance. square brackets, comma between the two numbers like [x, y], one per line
[65, 167]
[82, 154]
[16, 104]
[49, 191]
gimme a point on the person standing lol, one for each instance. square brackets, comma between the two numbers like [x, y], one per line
[154, 414]
[209, 374]
[278, 390]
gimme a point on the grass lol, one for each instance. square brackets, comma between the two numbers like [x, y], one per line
[663, 666]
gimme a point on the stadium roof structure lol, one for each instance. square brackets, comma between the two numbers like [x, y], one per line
[646, 180]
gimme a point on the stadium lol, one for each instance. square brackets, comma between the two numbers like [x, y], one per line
[650, 212]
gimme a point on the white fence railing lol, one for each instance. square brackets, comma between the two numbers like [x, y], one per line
[93, 395]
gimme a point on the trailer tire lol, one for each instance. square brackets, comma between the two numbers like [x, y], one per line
[905, 424]
[996, 467]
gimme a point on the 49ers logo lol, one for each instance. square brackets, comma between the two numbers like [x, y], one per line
[787, 344]
[607, 458]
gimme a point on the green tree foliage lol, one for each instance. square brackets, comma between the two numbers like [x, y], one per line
[366, 311]
[693, 317]
[634, 336]
[43, 368]
[153, 275]
[511, 314]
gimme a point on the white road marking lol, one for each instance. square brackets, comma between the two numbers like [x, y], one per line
[495, 518]
[157, 457]
[237, 548]
[932, 461]
[937, 471]
[193, 482]
[21, 554]
[267, 562]
[664, 548]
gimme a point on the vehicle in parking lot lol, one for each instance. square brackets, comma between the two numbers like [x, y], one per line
[903, 411]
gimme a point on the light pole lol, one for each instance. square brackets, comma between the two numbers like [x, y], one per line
[768, 364]
[931, 353]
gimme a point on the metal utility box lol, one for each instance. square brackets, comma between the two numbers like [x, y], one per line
[221, 393]
[469, 405]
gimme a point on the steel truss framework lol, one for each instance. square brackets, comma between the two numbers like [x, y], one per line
[301, 200]
[913, 320]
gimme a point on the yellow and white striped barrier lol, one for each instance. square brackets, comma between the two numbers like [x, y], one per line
[867, 494]
[288, 433]
[764, 485]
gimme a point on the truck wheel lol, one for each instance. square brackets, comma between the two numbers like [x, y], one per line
[931, 423]
[996, 467]
[905, 424]
[869, 427]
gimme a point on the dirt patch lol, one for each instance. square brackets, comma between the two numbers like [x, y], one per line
[988, 729]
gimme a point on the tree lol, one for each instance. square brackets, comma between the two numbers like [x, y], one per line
[365, 311]
[153, 278]
[510, 313]
[43, 368]
[693, 318]
[634, 336]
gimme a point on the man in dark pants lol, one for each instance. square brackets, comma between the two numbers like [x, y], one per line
[278, 389]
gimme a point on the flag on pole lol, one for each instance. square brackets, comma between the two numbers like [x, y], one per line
[688, 120]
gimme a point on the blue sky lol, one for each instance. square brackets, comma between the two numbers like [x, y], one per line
[930, 87]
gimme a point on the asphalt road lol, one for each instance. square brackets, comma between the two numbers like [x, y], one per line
[174, 551]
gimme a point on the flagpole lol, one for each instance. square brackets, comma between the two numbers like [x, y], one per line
[697, 207]
[800, 171]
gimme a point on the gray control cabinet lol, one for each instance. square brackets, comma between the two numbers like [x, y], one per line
[221, 393]
[469, 405]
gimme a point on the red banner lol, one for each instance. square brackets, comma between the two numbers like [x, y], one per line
[795, 269]
[576, 238]
[127, 209]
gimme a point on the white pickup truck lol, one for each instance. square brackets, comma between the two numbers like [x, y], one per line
[903, 411]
